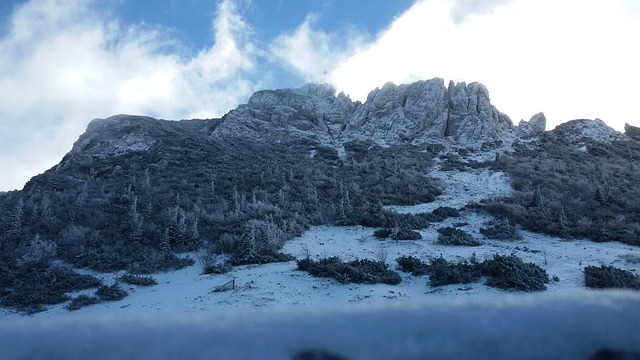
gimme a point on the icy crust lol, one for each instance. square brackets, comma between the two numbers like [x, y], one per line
[574, 325]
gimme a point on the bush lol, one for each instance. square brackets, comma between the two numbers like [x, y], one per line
[510, 272]
[81, 301]
[265, 257]
[111, 293]
[138, 280]
[605, 277]
[446, 212]
[444, 273]
[406, 234]
[383, 233]
[504, 272]
[453, 236]
[412, 265]
[357, 271]
[32, 300]
[215, 269]
[35, 286]
[500, 230]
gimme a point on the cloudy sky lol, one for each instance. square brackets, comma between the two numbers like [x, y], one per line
[65, 62]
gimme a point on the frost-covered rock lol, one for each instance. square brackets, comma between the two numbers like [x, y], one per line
[403, 113]
[536, 125]
[471, 115]
[578, 131]
[632, 131]
[391, 114]
[116, 135]
[311, 110]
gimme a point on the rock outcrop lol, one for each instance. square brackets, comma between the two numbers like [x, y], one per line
[536, 125]
[391, 114]
[581, 130]
[632, 132]
[313, 110]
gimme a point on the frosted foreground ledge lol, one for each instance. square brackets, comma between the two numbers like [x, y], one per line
[537, 326]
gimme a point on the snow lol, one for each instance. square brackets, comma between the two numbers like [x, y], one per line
[276, 311]
[463, 188]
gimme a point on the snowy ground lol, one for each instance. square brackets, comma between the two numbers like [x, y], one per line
[456, 321]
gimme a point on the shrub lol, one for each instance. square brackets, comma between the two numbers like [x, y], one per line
[500, 230]
[138, 280]
[215, 269]
[453, 236]
[510, 272]
[111, 293]
[32, 300]
[412, 265]
[81, 301]
[406, 234]
[357, 271]
[383, 233]
[504, 272]
[444, 273]
[264, 257]
[36, 286]
[446, 212]
[605, 277]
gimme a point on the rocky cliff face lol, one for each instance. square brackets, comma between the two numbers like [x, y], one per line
[392, 114]
[578, 131]
[420, 112]
[632, 132]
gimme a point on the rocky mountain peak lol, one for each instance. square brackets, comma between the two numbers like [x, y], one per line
[116, 135]
[391, 114]
[632, 131]
[577, 131]
[536, 125]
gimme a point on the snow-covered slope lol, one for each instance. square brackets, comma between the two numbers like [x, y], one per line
[276, 311]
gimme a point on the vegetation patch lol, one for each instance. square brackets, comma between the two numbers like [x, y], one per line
[561, 190]
[446, 212]
[605, 277]
[510, 272]
[81, 301]
[413, 265]
[504, 272]
[363, 271]
[383, 233]
[453, 236]
[111, 293]
[442, 272]
[500, 230]
[406, 234]
[35, 286]
[138, 280]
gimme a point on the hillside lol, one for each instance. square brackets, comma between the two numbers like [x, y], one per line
[427, 189]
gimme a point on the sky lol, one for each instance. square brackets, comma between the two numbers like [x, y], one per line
[66, 62]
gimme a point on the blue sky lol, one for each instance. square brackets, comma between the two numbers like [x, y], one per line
[65, 62]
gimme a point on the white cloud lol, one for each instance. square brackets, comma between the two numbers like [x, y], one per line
[64, 64]
[309, 53]
[570, 59]
[461, 9]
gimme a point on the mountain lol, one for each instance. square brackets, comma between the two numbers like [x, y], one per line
[392, 114]
[135, 193]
